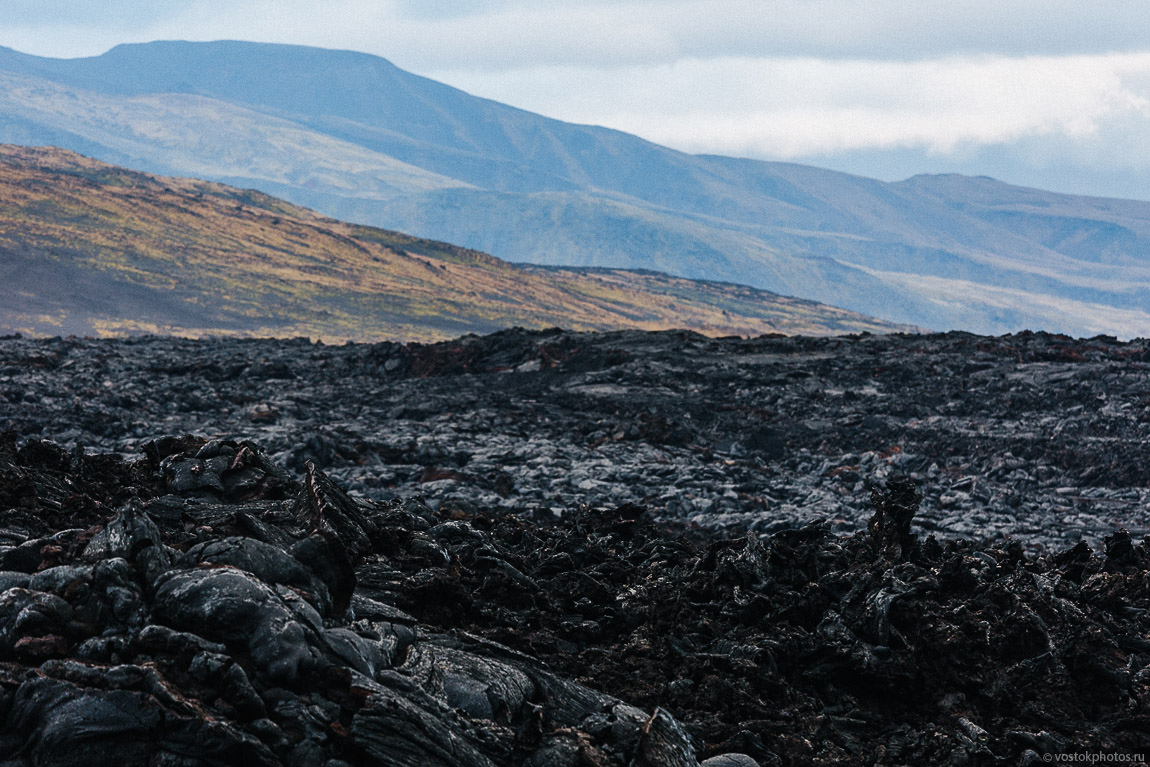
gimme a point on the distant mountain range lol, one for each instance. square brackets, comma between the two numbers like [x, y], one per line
[89, 248]
[355, 137]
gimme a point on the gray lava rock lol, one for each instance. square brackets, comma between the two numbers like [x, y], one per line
[230, 606]
[729, 760]
[268, 563]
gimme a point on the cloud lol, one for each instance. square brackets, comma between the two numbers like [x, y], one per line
[508, 34]
[69, 13]
[503, 34]
[793, 108]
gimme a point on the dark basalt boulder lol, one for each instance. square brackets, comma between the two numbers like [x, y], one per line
[233, 607]
[270, 564]
[328, 561]
[76, 714]
[232, 471]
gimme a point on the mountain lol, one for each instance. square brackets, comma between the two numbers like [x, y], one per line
[355, 137]
[90, 248]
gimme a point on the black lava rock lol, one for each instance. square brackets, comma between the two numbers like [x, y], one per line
[567, 549]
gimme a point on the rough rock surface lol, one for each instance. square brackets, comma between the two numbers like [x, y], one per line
[178, 631]
[146, 622]
[1038, 436]
[201, 602]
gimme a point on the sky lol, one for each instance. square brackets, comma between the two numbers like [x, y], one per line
[1050, 93]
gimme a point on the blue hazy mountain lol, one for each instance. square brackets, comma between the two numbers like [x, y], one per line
[355, 137]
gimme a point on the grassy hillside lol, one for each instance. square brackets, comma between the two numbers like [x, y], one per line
[90, 248]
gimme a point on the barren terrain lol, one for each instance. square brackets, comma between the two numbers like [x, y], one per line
[555, 548]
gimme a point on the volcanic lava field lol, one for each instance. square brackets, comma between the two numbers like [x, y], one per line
[1035, 436]
[555, 548]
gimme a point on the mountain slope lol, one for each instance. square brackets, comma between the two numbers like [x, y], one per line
[356, 137]
[87, 247]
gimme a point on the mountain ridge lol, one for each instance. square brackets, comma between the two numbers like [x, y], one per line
[358, 138]
[90, 248]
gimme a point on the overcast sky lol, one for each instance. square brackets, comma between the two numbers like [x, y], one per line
[1052, 93]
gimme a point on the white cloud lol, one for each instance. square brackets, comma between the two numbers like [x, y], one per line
[496, 34]
[789, 108]
[508, 34]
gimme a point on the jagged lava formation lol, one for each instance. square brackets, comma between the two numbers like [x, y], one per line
[1037, 436]
[211, 600]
